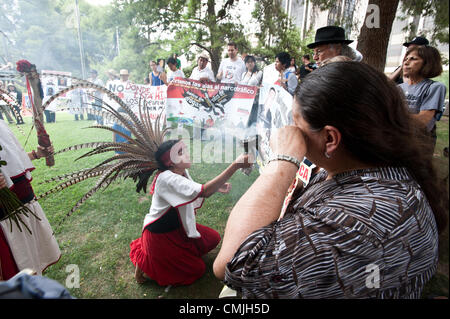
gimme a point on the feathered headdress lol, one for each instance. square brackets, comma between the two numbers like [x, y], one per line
[137, 155]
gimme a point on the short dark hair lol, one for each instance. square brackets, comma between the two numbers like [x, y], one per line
[307, 57]
[432, 61]
[172, 61]
[232, 44]
[284, 58]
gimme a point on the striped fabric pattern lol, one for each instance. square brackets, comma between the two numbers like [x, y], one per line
[333, 235]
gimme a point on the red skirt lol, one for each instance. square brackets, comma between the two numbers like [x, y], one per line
[173, 258]
[8, 267]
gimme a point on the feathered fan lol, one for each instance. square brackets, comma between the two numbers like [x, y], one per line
[136, 159]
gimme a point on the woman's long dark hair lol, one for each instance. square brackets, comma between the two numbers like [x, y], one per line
[376, 126]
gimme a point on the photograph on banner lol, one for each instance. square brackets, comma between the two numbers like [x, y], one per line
[210, 104]
[152, 97]
[53, 82]
[274, 112]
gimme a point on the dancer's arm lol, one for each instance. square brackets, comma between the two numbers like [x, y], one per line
[213, 185]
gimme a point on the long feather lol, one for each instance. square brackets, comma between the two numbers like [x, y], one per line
[137, 160]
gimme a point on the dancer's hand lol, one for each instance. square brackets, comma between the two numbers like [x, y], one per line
[225, 188]
[244, 161]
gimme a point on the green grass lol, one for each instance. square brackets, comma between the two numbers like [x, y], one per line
[439, 284]
[97, 236]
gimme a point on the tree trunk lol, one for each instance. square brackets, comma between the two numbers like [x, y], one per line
[214, 36]
[373, 39]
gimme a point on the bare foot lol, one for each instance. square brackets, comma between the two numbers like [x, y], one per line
[139, 275]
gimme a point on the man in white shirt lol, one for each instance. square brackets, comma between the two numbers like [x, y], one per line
[176, 73]
[232, 68]
[201, 72]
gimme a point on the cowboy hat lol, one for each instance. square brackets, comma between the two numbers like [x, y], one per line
[203, 55]
[112, 72]
[329, 34]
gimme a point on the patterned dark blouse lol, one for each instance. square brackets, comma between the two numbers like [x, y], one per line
[364, 234]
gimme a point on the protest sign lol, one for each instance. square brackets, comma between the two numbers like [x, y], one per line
[274, 112]
[209, 104]
[151, 97]
[53, 82]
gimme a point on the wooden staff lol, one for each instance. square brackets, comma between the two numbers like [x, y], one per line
[34, 84]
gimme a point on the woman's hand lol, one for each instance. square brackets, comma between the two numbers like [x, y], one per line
[225, 188]
[2, 181]
[289, 140]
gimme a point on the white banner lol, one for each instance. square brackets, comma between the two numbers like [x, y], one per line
[53, 82]
[152, 97]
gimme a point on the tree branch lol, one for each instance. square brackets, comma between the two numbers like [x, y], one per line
[202, 47]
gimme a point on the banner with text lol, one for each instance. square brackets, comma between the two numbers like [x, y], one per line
[52, 83]
[152, 97]
[209, 104]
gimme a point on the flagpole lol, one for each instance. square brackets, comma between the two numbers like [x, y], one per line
[80, 40]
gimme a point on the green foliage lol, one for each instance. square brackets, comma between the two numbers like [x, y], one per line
[438, 10]
[190, 24]
[45, 33]
[277, 33]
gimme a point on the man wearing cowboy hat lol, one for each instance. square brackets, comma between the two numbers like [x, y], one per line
[201, 72]
[112, 75]
[124, 75]
[329, 42]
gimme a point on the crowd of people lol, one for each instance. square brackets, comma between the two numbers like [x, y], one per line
[373, 198]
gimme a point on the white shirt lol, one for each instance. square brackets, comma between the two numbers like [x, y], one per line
[98, 94]
[17, 161]
[249, 78]
[231, 70]
[177, 74]
[204, 73]
[179, 192]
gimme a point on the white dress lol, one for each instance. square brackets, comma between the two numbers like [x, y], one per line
[40, 249]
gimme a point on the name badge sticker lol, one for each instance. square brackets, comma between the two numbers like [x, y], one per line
[305, 170]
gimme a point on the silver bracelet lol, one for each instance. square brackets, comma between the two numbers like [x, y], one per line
[287, 158]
